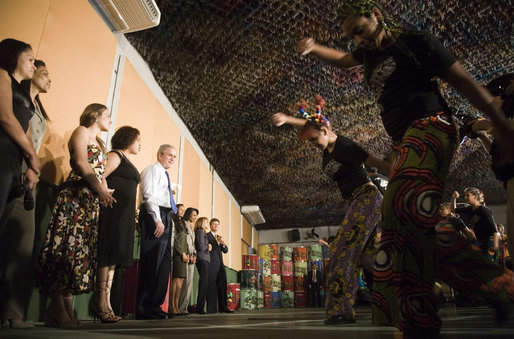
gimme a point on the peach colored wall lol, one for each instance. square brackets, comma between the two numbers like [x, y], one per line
[221, 210]
[190, 175]
[245, 249]
[255, 244]
[205, 198]
[235, 218]
[247, 232]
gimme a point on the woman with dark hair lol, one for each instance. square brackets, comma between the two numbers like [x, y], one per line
[67, 263]
[190, 216]
[116, 230]
[203, 249]
[16, 109]
[180, 262]
[355, 244]
[17, 240]
[399, 65]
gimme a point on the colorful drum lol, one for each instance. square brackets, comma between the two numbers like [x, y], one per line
[260, 298]
[233, 294]
[266, 283]
[261, 265]
[300, 253]
[318, 263]
[276, 285]
[250, 262]
[286, 253]
[248, 298]
[267, 299]
[274, 252]
[300, 299]
[287, 299]
[300, 268]
[249, 279]
[264, 252]
[275, 266]
[266, 267]
[286, 267]
[300, 283]
[315, 252]
[275, 299]
[287, 282]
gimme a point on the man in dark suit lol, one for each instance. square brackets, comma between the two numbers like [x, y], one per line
[314, 280]
[217, 290]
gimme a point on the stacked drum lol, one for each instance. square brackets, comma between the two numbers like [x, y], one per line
[249, 282]
[233, 294]
[265, 256]
[300, 276]
[315, 255]
[276, 285]
[286, 269]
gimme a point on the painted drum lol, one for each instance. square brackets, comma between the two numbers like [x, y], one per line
[318, 263]
[259, 281]
[300, 299]
[300, 253]
[249, 279]
[286, 253]
[300, 283]
[286, 267]
[261, 265]
[260, 298]
[275, 266]
[250, 262]
[266, 267]
[315, 252]
[233, 295]
[287, 282]
[274, 252]
[276, 285]
[276, 299]
[248, 299]
[300, 268]
[264, 252]
[266, 283]
[287, 299]
[267, 299]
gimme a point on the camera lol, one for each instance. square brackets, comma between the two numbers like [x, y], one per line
[25, 191]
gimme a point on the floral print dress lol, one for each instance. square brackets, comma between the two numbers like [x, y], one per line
[67, 263]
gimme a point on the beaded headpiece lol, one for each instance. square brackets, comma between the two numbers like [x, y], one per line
[363, 7]
[317, 117]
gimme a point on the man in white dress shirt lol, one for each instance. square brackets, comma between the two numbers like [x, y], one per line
[155, 221]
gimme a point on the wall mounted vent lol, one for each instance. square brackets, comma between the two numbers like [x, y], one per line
[125, 16]
[253, 214]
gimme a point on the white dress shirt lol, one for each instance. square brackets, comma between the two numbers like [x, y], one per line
[154, 190]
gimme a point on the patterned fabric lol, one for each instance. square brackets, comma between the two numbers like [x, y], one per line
[405, 267]
[354, 246]
[67, 261]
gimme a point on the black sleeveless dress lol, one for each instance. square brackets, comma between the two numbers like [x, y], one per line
[116, 230]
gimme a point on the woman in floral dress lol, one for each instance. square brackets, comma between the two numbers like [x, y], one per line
[67, 262]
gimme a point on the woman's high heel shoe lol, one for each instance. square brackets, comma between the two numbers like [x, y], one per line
[19, 323]
[104, 316]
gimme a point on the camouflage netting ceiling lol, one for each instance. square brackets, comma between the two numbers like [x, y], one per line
[228, 65]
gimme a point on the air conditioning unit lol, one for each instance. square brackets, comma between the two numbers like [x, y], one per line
[253, 214]
[125, 16]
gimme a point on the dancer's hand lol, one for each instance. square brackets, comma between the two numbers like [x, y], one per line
[305, 46]
[455, 195]
[279, 119]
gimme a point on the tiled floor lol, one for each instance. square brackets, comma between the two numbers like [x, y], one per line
[467, 322]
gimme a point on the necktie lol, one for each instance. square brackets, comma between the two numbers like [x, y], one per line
[172, 201]
[314, 276]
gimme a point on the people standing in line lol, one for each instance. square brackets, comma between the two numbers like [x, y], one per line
[203, 252]
[180, 262]
[17, 240]
[16, 109]
[117, 224]
[315, 281]
[156, 225]
[357, 239]
[190, 216]
[67, 263]
[400, 65]
[217, 291]
[481, 222]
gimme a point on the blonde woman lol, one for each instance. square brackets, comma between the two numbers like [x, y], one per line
[67, 262]
[203, 259]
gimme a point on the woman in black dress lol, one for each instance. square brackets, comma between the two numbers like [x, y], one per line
[116, 231]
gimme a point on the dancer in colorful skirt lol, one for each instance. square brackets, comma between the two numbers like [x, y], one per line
[399, 66]
[356, 242]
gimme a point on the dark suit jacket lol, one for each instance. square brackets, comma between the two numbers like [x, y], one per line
[319, 278]
[216, 253]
